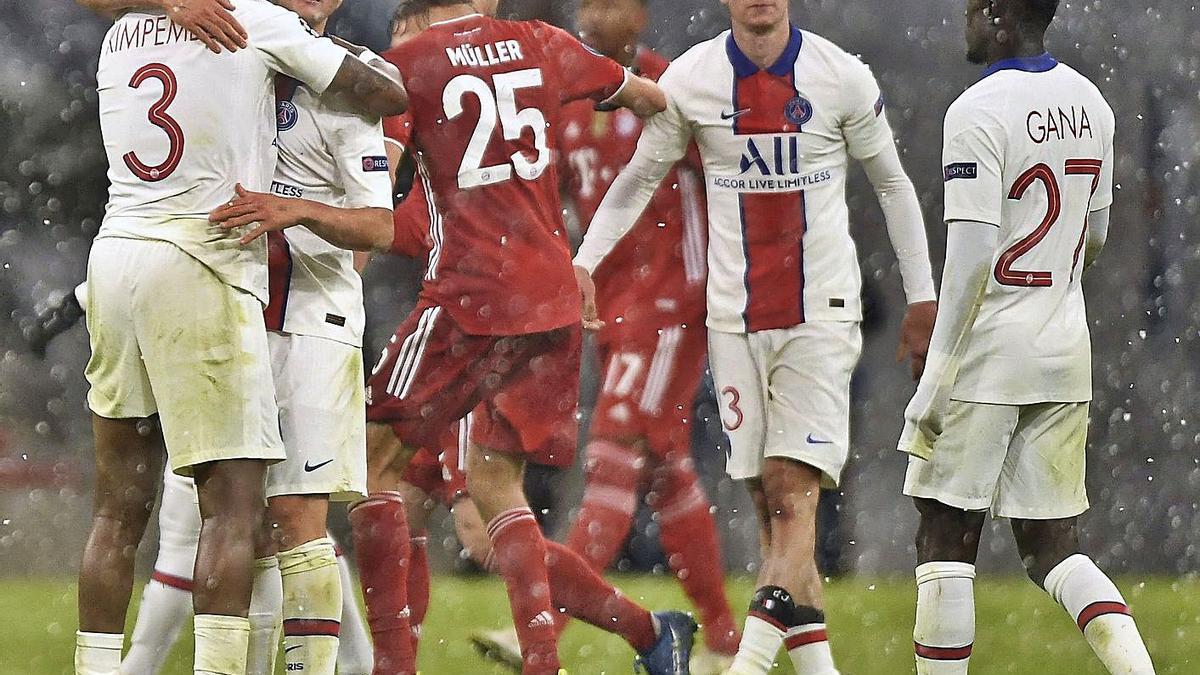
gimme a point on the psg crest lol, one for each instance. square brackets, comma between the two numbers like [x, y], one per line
[798, 110]
[286, 115]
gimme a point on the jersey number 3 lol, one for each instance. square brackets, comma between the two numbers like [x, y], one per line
[158, 117]
[1005, 274]
[499, 106]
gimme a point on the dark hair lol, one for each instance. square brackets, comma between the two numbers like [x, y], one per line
[410, 8]
[1041, 12]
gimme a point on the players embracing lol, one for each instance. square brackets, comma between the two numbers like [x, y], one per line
[776, 113]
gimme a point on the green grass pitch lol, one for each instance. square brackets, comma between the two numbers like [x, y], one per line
[1019, 629]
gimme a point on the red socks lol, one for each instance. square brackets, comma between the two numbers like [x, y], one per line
[381, 548]
[519, 556]
[689, 537]
[418, 586]
[610, 499]
[583, 594]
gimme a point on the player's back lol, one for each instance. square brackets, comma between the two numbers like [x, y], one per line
[1043, 136]
[486, 96]
[183, 125]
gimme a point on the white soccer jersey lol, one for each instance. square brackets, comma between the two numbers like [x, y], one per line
[182, 126]
[337, 158]
[775, 145]
[1029, 149]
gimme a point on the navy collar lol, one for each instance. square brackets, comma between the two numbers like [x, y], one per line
[744, 67]
[1029, 64]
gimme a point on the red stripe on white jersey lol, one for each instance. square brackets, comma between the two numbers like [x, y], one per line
[279, 280]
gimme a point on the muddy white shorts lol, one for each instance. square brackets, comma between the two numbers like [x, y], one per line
[786, 393]
[169, 337]
[319, 385]
[1019, 461]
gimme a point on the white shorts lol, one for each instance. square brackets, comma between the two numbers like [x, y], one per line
[169, 337]
[178, 531]
[322, 415]
[1023, 461]
[786, 393]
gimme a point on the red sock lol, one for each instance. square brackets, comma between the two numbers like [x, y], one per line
[610, 499]
[689, 537]
[382, 550]
[519, 556]
[418, 586]
[582, 593]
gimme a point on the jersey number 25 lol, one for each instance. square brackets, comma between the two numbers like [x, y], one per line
[498, 106]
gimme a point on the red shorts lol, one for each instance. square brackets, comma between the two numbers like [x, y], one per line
[432, 374]
[650, 382]
[440, 474]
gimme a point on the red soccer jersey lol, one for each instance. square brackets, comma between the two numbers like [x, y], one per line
[410, 218]
[655, 276]
[486, 97]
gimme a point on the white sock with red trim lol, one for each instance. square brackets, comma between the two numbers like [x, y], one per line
[162, 613]
[807, 643]
[945, 628]
[760, 643]
[1090, 597]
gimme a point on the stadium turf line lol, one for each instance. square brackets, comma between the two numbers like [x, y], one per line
[1020, 629]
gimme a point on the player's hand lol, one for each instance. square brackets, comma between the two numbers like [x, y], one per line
[915, 331]
[587, 296]
[924, 417]
[271, 213]
[210, 21]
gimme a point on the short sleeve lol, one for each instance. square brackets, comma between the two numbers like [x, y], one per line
[362, 163]
[290, 46]
[582, 72]
[398, 129]
[972, 168]
[1103, 198]
[864, 124]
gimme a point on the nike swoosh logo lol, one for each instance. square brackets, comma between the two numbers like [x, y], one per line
[288, 649]
[734, 114]
[314, 467]
[812, 440]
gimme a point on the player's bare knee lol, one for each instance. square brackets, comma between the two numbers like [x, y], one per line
[791, 491]
[947, 533]
[297, 519]
[1043, 544]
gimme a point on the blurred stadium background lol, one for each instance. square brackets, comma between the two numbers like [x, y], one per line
[1144, 461]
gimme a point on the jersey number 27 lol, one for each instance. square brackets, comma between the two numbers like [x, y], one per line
[499, 106]
[1005, 274]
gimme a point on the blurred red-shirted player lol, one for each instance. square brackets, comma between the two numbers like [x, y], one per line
[498, 323]
[650, 292]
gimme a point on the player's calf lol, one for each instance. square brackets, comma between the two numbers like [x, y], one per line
[128, 463]
[947, 546]
[231, 512]
[1048, 548]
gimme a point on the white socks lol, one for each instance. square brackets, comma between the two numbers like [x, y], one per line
[221, 643]
[945, 626]
[266, 617]
[808, 646]
[773, 620]
[312, 607]
[98, 653]
[1090, 597]
[162, 614]
[355, 656]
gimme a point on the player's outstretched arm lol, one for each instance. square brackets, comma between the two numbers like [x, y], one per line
[209, 20]
[969, 249]
[369, 89]
[641, 95]
[363, 229]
